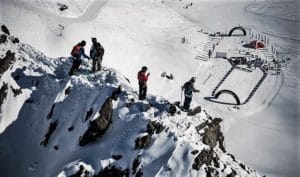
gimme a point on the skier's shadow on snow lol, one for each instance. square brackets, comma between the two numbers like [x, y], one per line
[213, 99]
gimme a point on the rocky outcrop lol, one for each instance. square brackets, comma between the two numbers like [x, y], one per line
[3, 93]
[135, 165]
[204, 157]
[212, 133]
[113, 172]
[154, 127]
[143, 141]
[6, 61]
[51, 129]
[105, 117]
[3, 38]
[16, 92]
[81, 172]
[5, 30]
[99, 125]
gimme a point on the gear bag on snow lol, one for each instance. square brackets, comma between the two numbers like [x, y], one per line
[75, 50]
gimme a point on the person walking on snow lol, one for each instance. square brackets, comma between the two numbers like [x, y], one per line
[96, 53]
[77, 53]
[143, 78]
[188, 89]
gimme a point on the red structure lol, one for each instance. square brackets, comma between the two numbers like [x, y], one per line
[257, 44]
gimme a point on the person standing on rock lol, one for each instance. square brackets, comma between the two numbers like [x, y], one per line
[96, 53]
[143, 78]
[188, 89]
[77, 53]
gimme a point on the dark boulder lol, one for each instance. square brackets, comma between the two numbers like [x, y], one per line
[3, 38]
[113, 172]
[51, 129]
[105, 113]
[4, 29]
[194, 111]
[205, 157]
[212, 134]
[3, 93]
[135, 165]
[98, 126]
[143, 141]
[154, 127]
[7, 61]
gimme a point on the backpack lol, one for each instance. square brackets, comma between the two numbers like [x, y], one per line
[99, 50]
[75, 50]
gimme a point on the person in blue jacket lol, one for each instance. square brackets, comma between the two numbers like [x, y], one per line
[188, 89]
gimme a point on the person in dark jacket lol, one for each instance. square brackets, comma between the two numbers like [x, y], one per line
[96, 53]
[188, 89]
[77, 53]
[143, 78]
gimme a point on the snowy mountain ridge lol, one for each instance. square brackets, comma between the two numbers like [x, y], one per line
[142, 137]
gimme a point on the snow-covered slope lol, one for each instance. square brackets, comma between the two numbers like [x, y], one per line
[143, 139]
[172, 36]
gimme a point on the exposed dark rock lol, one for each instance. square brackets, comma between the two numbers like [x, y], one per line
[232, 156]
[3, 93]
[194, 111]
[154, 127]
[232, 174]
[212, 134]
[62, 7]
[81, 172]
[71, 128]
[88, 114]
[16, 40]
[216, 161]
[205, 157]
[3, 38]
[4, 29]
[56, 147]
[211, 172]
[105, 113]
[99, 125]
[142, 142]
[117, 157]
[139, 173]
[242, 166]
[49, 115]
[68, 91]
[135, 165]
[16, 92]
[194, 152]
[113, 172]
[7, 61]
[51, 129]
[201, 126]
[116, 93]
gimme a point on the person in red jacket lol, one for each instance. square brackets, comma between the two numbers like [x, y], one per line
[143, 77]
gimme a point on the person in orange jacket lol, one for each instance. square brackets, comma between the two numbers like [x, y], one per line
[143, 78]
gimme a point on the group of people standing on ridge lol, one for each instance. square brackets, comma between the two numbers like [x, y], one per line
[96, 54]
[188, 88]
